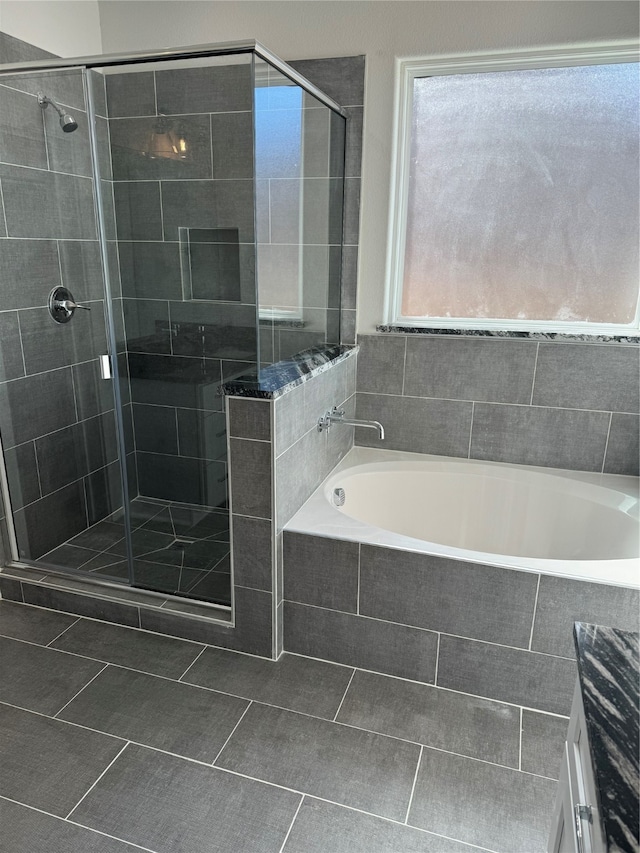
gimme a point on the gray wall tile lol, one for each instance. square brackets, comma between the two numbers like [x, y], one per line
[434, 717]
[292, 418]
[36, 405]
[10, 589]
[33, 267]
[207, 204]
[68, 153]
[150, 270]
[211, 89]
[349, 277]
[431, 592]
[361, 642]
[561, 602]
[351, 221]
[558, 438]
[13, 49]
[82, 273]
[22, 132]
[321, 571]
[623, 446]
[525, 678]
[341, 78]
[11, 363]
[353, 154]
[47, 204]
[482, 804]
[252, 552]
[415, 424]
[137, 209]
[252, 632]
[499, 371]
[131, 94]
[130, 140]
[543, 738]
[381, 363]
[250, 463]
[82, 605]
[249, 419]
[232, 141]
[22, 474]
[48, 345]
[595, 376]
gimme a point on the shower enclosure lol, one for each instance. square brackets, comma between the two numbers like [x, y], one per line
[192, 202]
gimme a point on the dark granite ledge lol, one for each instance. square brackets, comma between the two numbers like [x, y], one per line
[608, 668]
[276, 379]
[506, 333]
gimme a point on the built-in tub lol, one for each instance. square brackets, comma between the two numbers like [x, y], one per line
[568, 523]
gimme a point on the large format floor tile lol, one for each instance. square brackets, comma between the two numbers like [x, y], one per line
[339, 763]
[126, 647]
[25, 830]
[300, 684]
[171, 805]
[321, 827]
[440, 718]
[32, 623]
[482, 804]
[178, 718]
[47, 763]
[41, 679]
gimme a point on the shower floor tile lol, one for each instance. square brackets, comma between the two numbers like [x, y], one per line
[182, 748]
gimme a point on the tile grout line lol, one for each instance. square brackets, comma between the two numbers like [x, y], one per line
[473, 411]
[404, 366]
[55, 716]
[520, 746]
[413, 787]
[75, 622]
[193, 662]
[86, 793]
[74, 823]
[535, 368]
[344, 696]
[533, 616]
[242, 716]
[4, 212]
[359, 571]
[606, 444]
[435, 674]
[286, 838]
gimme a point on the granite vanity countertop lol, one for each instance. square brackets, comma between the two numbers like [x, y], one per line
[608, 669]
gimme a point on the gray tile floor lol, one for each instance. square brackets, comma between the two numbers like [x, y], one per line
[115, 740]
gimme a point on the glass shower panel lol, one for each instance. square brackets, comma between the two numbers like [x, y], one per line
[57, 415]
[299, 189]
[181, 136]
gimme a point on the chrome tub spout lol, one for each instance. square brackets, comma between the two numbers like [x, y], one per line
[336, 416]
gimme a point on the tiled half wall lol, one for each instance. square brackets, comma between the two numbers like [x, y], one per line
[557, 404]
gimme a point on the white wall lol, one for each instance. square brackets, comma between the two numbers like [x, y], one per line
[383, 30]
[64, 27]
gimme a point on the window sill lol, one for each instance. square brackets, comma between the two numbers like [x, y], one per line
[506, 333]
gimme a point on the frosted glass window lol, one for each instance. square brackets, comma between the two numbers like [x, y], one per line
[523, 196]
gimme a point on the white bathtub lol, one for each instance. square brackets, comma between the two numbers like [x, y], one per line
[568, 523]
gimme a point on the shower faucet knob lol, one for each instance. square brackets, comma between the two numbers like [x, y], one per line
[62, 305]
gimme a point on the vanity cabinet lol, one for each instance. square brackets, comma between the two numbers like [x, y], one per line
[576, 825]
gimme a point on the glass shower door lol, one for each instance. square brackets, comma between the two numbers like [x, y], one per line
[181, 138]
[57, 414]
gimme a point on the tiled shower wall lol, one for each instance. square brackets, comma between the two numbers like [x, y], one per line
[557, 404]
[56, 413]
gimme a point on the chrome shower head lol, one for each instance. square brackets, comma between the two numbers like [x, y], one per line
[67, 122]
